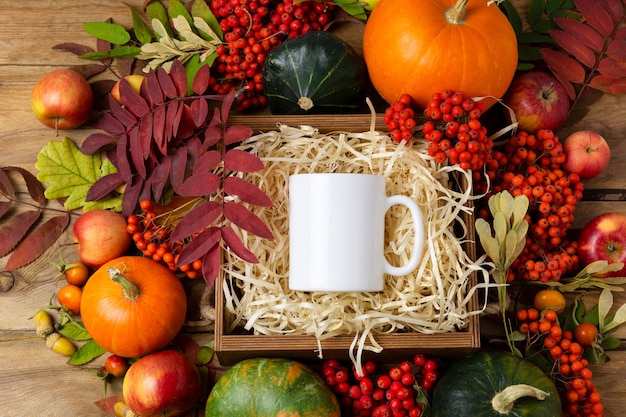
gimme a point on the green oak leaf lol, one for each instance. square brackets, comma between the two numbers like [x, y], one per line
[70, 174]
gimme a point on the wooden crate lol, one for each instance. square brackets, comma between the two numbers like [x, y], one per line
[236, 346]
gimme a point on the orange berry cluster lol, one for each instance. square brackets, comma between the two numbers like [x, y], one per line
[152, 238]
[570, 370]
[400, 119]
[532, 165]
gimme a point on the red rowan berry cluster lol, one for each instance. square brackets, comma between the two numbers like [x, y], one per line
[400, 119]
[532, 165]
[152, 238]
[570, 370]
[461, 139]
[373, 394]
[252, 28]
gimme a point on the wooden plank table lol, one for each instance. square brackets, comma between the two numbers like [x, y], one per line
[34, 381]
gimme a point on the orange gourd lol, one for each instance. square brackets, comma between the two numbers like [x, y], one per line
[421, 47]
[132, 306]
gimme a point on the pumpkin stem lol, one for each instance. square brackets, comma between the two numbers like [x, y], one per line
[456, 14]
[131, 291]
[503, 401]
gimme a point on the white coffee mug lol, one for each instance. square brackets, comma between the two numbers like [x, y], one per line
[337, 232]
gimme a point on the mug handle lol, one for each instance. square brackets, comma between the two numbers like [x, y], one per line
[418, 228]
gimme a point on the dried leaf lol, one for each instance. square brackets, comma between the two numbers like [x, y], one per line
[110, 32]
[582, 32]
[35, 189]
[200, 9]
[198, 218]
[37, 242]
[605, 302]
[246, 191]
[156, 10]
[15, 228]
[573, 46]
[203, 183]
[75, 48]
[200, 245]
[236, 134]
[565, 65]
[6, 186]
[69, 172]
[618, 319]
[107, 404]
[237, 246]
[247, 220]
[596, 16]
[242, 161]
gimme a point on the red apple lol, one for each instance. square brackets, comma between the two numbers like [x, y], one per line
[538, 100]
[101, 236]
[586, 153]
[165, 383]
[62, 99]
[116, 365]
[604, 238]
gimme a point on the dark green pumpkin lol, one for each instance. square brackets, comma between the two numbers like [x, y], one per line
[314, 73]
[273, 387]
[467, 388]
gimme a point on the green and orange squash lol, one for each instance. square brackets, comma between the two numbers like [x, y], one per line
[271, 387]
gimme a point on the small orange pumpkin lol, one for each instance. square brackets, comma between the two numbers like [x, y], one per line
[426, 46]
[132, 306]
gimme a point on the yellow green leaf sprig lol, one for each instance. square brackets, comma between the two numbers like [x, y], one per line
[504, 243]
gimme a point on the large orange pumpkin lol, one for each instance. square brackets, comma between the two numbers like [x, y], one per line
[132, 306]
[421, 47]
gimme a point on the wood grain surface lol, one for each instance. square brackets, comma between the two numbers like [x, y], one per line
[34, 381]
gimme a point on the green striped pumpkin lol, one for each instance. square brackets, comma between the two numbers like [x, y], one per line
[271, 387]
[314, 73]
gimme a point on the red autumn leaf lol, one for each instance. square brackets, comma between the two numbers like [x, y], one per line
[612, 68]
[120, 113]
[569, 87]
[154, 88]
[75, 48]
[159, 177]
[198, 218]
[136, 104]
[568, 67]
[207, 161]
[199, 245]
[96, 141]
[6, 186]
[200, 81]
[204, 183]
[109, 124]
[158, 129]
[596, 16]
[609, 85]
[236, 245]
[199, 111]
[124, 66]
[617, 50]
[227, 104]
[212, 135]
[167, 85]
[35, 189]
[614, 8]
[145, 135]
[104, 186]
[121, 156]
[89, 70]
[242, 161]
[38, 241]
[15, 228]
[107, 404]
[174, 109]
[246, 191]
[582, 32]
[193, 152]
[131, 195]
[236, 134]
[136, 151]
[242, 217]
[5, 206]
[621, 33]
[211, 265]
[578, 50]
[179, 78]
[179, 164]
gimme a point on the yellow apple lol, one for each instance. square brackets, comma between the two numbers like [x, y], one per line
[134, 80]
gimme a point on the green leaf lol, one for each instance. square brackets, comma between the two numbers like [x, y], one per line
[74, 331]
[507, 203]
[110, 32]
[520, 208]
[535, 11]
[610, 343]
[157, 11]
[513, 16]
[140, 28]
[205, 354]
[199, 8]
[592, 316]
[500, 226]
[86, 353]
[176, 8]
[618, 319]
[121, 52]
[71, 173]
